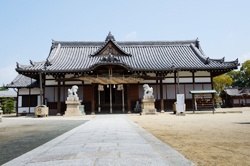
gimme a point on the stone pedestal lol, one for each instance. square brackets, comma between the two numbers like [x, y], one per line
[148, 105]
[72, 107]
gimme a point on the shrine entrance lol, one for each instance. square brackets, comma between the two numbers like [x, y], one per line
[111, 99]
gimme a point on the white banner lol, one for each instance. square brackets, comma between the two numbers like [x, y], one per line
[180, 103]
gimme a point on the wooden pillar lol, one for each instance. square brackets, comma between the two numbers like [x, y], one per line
[41, 89]
[157, 88]
[99, 101]
[29, 100]
[178, 78]
[213, 101]
[128, 98]
[59, 97]
[43, 85]
[17, 101]
[123, 107]
[110, 97]
[161, 96]
[93, 99]
[193, 102]
[82, 91]
[193, 79]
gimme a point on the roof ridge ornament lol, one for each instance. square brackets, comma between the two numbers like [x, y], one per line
[110, 37]
[110, 58]
[18, 65]
[32, 63]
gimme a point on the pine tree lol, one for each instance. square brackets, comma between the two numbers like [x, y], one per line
[10, 105]
[3, 103]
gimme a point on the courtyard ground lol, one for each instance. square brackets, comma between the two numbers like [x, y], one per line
[19, 135]
[204, 139]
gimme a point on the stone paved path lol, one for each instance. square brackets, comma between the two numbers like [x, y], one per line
[105, 140]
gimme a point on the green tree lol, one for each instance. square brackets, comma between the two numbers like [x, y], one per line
[221, 81]
[10, 105]
[237, 78]
[245, 72]
[2, 88]
[3, 103]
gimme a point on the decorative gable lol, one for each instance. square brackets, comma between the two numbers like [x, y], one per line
[110, 47]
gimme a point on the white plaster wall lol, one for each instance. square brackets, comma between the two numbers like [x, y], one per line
[69, 75]
[23, 91]
[151, 74]
[202, 79]
[168, 80]
[32, 109]
[51, 82]
[49, 77]
[236, 101]
[73, 82]
[38, 100]
[185, 73]
[22, 109]
[170, 75]
[242, 100]
[185, 80]
[35, 91]
[19, 101]
[148, 81]
[202, 73]
[87, 83]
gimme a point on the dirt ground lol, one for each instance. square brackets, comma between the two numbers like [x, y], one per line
[204, 139]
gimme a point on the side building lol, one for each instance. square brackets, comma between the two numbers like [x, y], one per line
[110, 74]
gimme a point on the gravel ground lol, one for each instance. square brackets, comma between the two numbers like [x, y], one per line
[204, 139]
[20, 135]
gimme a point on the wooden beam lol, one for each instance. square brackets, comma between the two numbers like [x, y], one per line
[128, 98]
[161, 95]
[59, 97]
[93, 100]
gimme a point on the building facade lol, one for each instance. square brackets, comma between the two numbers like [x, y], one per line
[236, 97]
[110, 74]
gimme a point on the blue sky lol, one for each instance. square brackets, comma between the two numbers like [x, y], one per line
[28, 27]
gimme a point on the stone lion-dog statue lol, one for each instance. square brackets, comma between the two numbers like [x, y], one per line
[72, 91]
[148, 91]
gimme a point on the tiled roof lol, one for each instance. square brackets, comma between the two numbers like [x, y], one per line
[22, 81]
[145, 56]
[237, 91]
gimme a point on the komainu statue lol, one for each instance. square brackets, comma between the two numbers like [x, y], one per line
[148, 91]
[72, 91]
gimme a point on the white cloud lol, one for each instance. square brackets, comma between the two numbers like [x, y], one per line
[7, 74]
[131, 35]
[244, 57]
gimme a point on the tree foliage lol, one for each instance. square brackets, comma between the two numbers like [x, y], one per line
[221, 81]
[241, 78]
[10, 105]
[237, 78]
[245, 72]
[2, 88]
[3, 103]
